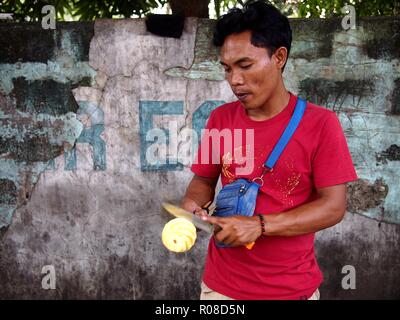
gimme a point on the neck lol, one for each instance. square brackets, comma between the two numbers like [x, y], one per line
[275, 104]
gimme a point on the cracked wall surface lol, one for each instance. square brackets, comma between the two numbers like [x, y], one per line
[37, 109]
[76, 105]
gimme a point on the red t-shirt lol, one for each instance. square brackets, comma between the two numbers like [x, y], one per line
[316, 156]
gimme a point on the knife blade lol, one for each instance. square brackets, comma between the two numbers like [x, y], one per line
[197, 221]
[182, 213]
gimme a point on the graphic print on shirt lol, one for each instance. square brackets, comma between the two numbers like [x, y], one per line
[284, 184]
[287, 185]
[239, 159]
[242, 155]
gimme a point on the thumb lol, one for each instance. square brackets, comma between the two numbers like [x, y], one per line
[212, 220]
[217, 222]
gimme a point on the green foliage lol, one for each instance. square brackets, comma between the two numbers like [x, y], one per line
[332, 8]
[92, 9]
[79, 9]
[32, 9]
[320, 8]
[225, 5]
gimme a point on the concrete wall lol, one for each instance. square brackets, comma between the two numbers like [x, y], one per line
[78, 193]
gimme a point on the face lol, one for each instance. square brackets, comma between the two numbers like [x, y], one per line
[251, 73]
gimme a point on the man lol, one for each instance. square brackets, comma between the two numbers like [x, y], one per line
[305, 192]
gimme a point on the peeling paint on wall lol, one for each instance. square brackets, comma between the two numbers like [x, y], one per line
[27, 143]
[38, 68]
[390, 154]
[364, 195]
[313, 39]
[376, 44]
[332, 94]
[396, 97]
[206, 63]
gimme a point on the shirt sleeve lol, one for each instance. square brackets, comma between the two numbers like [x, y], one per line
[207, 162]
[332, 163]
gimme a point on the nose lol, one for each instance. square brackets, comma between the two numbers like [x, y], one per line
[236, 78]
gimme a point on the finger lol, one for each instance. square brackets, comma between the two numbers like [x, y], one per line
[200, 212]
[231, 240]
[214, 220]
[217, 228]
[222, 236]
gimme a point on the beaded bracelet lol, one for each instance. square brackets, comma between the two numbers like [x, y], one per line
[262, 222]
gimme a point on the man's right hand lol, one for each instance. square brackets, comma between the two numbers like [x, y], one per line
[200, 192]
[192, 206]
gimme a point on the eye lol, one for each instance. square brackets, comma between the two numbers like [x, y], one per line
[246, 66]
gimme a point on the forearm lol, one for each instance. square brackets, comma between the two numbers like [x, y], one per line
[311, 217]
[308, 218]
[199, 192]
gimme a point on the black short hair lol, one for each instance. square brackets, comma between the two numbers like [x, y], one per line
[270, 29]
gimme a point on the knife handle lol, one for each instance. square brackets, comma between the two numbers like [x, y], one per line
[250, 245]
[207, 206]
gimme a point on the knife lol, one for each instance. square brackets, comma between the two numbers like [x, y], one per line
[182, 213]
[196, 220]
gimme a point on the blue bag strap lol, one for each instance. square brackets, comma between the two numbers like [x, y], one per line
[287, 134]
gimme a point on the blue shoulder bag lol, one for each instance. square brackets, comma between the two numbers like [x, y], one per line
[239, 197]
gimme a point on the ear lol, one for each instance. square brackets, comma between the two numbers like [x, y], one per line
[280, 57]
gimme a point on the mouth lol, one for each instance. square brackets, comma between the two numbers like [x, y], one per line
[242, 95]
